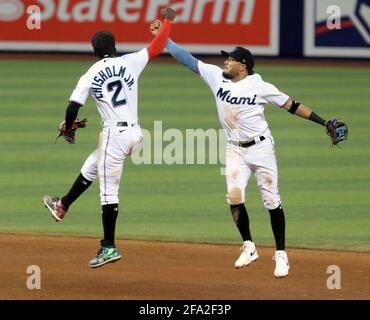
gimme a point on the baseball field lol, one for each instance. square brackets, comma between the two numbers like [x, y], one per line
[174, 225]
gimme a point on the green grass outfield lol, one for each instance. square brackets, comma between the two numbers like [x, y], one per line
[325, 190]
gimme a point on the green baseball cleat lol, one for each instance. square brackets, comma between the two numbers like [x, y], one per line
[105, 255]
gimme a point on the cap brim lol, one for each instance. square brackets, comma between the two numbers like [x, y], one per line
[226, 54]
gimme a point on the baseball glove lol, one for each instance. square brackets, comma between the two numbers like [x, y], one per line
[168, 13]
[70, 135]
[337, 130]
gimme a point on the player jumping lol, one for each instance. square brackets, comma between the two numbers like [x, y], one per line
[113, 84]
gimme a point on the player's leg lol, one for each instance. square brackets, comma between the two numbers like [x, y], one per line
[114, 148]
[59, 206]
[237, 176]
[266, 173]
[87, 176]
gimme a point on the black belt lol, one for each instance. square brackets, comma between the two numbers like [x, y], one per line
[125, 124]
[247, 144]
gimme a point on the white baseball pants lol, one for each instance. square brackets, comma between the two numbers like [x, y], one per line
[258, 159]
[115, 145]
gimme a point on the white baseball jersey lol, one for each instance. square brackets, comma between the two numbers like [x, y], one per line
[240, 105]
[112, 82]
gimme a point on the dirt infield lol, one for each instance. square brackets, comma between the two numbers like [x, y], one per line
[172, 271]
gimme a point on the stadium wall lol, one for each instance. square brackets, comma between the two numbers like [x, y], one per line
[285, 28]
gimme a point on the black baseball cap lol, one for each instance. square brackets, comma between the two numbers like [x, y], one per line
[104, 44]
[241, 55]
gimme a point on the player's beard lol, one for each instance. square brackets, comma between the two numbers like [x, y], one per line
[227, 75]
[230, 73]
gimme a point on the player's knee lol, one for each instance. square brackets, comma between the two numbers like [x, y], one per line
[271, 204]
[89, 174]
[108, 198]
[271, 199]
[235, 196]
[89, 171]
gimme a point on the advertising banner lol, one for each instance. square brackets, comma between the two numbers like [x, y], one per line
[202, 26]
[337, 28]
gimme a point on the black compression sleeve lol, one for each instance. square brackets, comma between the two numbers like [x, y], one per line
[294, 107]
[71, 113]
[315, 118]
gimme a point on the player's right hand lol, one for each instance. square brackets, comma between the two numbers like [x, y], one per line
[168, 13]
[155, 27]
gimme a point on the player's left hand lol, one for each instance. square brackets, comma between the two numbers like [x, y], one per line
[337, 130]
[70, 134]
[156, 26]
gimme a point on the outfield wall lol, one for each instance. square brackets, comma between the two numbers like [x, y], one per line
[287, 28]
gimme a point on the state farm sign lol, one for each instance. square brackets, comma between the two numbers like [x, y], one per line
[201, 25]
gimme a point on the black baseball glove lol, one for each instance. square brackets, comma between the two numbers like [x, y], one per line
[70, 135]
[337, 130]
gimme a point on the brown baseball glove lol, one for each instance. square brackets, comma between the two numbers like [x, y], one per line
[168, 13]
[70, 135]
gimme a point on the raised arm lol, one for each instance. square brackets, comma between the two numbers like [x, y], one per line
[183, 56]
[163, 31]
[179, 53]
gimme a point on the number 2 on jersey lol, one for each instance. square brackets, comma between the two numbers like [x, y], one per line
[117, 86]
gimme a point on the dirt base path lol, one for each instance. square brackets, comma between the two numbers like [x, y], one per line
[166, 271]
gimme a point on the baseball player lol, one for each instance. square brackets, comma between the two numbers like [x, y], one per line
[113, 83]
[240, 96]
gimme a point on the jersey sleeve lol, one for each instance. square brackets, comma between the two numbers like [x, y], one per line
[159, 41]
[138, 60]
[81, 92]
[271, 94]
[210, 73]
